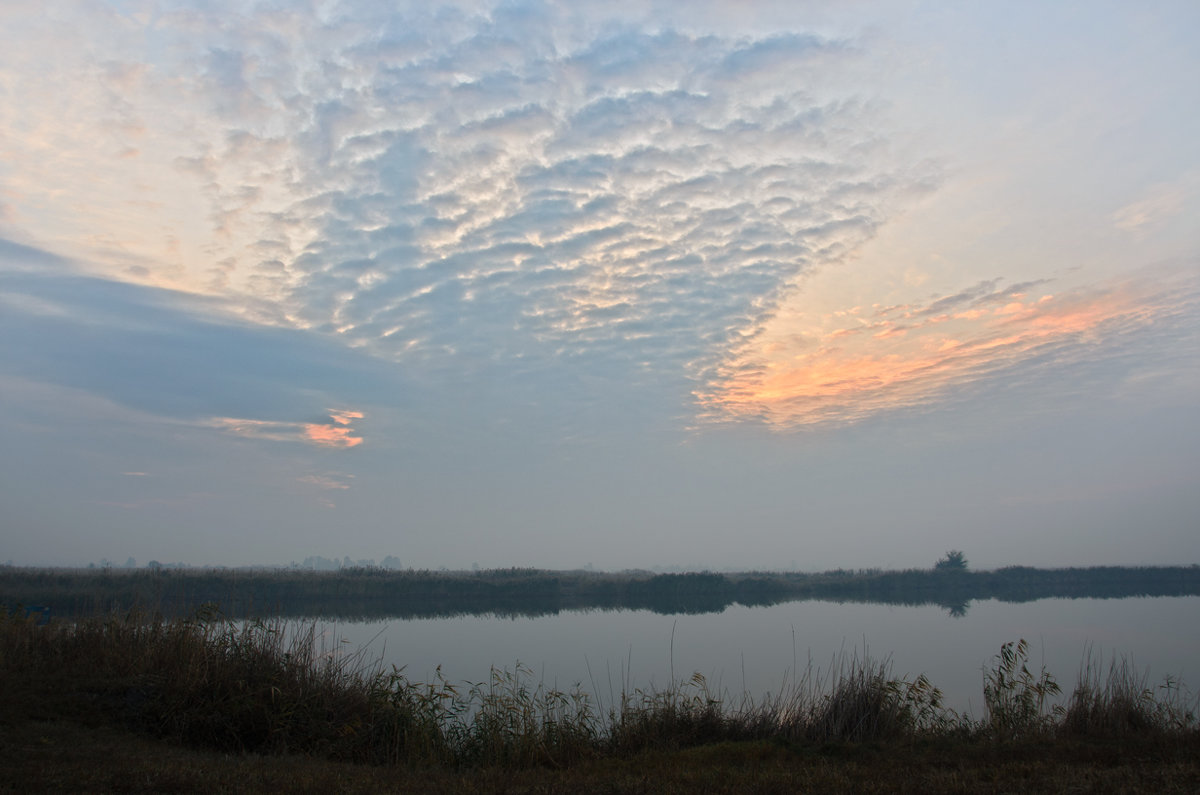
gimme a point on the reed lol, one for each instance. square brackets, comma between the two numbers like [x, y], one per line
[1119, 702]
[1019, 704]
[274, 688]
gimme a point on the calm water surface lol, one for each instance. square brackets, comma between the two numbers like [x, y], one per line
[757, 649]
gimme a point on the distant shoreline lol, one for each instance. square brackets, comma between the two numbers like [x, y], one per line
[381, 593]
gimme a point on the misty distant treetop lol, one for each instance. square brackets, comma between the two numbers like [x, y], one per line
[953, 560]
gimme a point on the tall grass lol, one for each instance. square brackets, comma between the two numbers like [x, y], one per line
[1120, 702]
[274, 688]
[1018, 702]
[248, 686]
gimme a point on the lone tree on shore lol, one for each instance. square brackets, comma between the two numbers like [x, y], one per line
[954, 560]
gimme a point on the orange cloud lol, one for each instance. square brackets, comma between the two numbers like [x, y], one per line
[331, 435]
[336, 433]
[915, 355]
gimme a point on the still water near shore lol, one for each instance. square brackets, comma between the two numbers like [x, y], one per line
[759, 650]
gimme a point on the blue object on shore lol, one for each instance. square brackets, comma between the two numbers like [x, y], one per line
[39, 613]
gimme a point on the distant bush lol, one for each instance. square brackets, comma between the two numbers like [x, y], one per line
[954, 560]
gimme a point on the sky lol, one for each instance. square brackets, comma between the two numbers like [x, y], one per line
[755, 285]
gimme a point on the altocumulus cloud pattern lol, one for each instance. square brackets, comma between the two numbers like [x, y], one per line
[463, 189]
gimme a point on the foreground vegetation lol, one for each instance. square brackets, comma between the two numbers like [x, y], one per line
[374, 592]
[128, 702]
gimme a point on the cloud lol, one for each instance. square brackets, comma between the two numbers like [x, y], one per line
[177, 356]
[916, 356]
[1161, 203]
[535, 199]
[467, 189]
[343, 416]
[330, 481]
[18, 257]
[336, 433]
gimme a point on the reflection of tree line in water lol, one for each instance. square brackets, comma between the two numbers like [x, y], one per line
[377, 593]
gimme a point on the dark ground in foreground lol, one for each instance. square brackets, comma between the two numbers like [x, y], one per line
[57, 742]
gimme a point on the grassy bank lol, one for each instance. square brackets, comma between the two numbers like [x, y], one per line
[218, 693]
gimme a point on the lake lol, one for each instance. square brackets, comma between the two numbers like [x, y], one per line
[756, 650]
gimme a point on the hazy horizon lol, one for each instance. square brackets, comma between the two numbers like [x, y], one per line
[786, 286]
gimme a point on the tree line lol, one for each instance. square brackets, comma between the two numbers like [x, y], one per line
[365, 592]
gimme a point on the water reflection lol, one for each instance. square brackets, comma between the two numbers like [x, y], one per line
[759, 650]
[956, 608]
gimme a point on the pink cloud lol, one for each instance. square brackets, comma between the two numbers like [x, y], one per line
[331, 435]
[337, 433]
[341, 417]
[845, 377]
